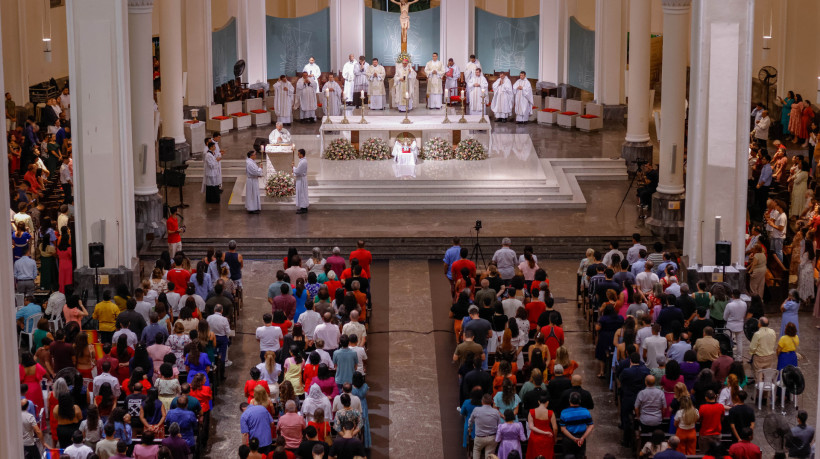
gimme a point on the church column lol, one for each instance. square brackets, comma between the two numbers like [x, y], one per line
[101, 120]
[346, 32]
[667, 203]
[637, 145]
[148, 204]
[456, 30]
[251, 42]
[11, 436]
[552, 40]
[170, 52]
[720, 94]
[199, 54]
[609, 52]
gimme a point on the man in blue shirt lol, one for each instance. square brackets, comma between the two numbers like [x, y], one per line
[576, 424]
[667, 260]
[637, 267]
[186, 419]
[346, 361]
[149, 333]
[27, 311]
[671, 452]
[255, 423]
[452, 255]
[25, 272]
[763, 184]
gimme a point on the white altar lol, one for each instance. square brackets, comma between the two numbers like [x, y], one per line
[423, 128]
[278, 157]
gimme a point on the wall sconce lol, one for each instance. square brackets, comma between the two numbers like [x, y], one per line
[46, 29]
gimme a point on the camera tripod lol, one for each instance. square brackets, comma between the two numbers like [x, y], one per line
[477, 249]
[632, 182]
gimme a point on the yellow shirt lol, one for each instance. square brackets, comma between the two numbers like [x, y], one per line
[105, 312]
[788, 344]
[763, 342]
[120, 301]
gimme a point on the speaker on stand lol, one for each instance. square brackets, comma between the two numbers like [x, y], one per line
[166, 155]
[96, 260]
[723, 255]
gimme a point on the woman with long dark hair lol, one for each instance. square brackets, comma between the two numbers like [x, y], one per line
[152, 414]
[105, 401]
[64, 254]
[123, 353]
[68, 416]
[607, 325]
[143, 360]
[201, 280]
[197, 362]
[293, 370]
[92, 427]
[48, 263]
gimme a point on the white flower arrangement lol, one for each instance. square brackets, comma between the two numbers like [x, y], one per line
[340, 150]
[470, 150]
[280, 185]
[437, 149]
[374, 149]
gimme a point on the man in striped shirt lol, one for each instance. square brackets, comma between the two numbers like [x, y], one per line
[576, 424]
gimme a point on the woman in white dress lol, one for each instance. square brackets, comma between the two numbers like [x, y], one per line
[805, 277]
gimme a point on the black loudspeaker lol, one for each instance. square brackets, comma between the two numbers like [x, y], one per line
[96, 255]
[723, 253]
[166, 149]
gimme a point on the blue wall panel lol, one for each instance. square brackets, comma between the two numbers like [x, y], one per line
[503, 43]
[292, 41]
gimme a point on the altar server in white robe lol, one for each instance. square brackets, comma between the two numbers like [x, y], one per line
[375, 79]
[451, 85]
[253, 204]
[403, 86]
[212, 175]
[476, 87]
[469, 72]
[349, 74]
[502, 104]
[300, 175]
[333, 96]
[435, 71]
[360, 83]
[313, 70]
[283, 100]
[306, 98]
[279, 136]
[523, 99]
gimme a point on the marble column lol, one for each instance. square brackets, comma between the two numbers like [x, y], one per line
[250, 21]
[456, 32]
[99, 75]
[346, 32]
[637, 146]
[11, 435]
[609, 52]
[199, 54]
[720, 95]
[170, 61]
[552, 41]
[668, 203]
[148, 203]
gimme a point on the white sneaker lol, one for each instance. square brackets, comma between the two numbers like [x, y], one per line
[228, 363]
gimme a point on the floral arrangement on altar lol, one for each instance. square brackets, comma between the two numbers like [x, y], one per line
[280, 185]
[374, 149]
[470, 150]
[437, 149]
[402, 56]
[340, 150]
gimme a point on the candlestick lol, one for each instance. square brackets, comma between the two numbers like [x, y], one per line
[406, 119]
[462, 120]
[483, 104]
[344, 111]
[446, 118]
[327, 107]
[363, 121]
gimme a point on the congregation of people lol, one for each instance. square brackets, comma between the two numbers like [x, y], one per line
[678, 360]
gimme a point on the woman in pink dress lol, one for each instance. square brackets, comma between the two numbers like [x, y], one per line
[805, 121]
[66, 267]
[31, 373]
[796, 117]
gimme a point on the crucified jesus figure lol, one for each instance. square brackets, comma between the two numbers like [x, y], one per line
[404, 20]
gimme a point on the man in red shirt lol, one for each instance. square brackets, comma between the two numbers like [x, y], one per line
[178, 276]
[534, 310]
[464, 262]
[711, 418]
[745, 449]
[364, 257]
[174, 232]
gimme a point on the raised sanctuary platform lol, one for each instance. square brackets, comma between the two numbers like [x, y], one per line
[513, 176]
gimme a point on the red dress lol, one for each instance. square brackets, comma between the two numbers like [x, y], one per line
[540, 444]
[309, 372]
[250, 385]
[66, 269]
[35, 392]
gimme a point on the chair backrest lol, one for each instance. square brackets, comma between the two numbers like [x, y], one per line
[767, 376]
[556, 103]
[595, 109]
[254, 104]
[214, 110]
[575, 106]
[31, 322]
[233, 107]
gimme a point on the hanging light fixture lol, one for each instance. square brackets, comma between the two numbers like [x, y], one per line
[46, 29]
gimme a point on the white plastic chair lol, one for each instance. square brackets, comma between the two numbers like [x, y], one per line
[783, 392]
[766, 380]
[56, 322]
[19, 299]
[28, 329]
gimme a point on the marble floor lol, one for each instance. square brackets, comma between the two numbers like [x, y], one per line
[413, 393]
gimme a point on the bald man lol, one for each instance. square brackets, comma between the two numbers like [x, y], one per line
[649, 406]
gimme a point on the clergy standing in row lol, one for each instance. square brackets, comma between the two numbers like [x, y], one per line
[349, 75]
[502, 104]
[283, 100]
[212, 179]
[451, 85]
[313, 70]
[253, 204]
[476, 88]
[360, 83]
[523, 98]
[375, 80]
[403, 86]
[469, 72]
[306, 98]
[300, 177]
[435, 71]
[333, 96]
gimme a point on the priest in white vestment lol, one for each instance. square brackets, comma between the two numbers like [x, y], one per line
[283, 100]
[403, 86]
[313, 70]
[476, 88]
[333, 96]
[523, 99]
[300, 178]
[212, 175]
[502, 104]
[253, 203]
[451, 84]
[360, 83]
[306, 98]
[469, 72]
[350, 77]
[405, 155]
[435, 72]
[279, 136]
[375, 79]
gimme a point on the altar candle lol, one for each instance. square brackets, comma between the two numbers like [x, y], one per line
[462, 93]
[362, 94]
[406, 95]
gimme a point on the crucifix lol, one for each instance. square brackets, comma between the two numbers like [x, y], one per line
[404, 20]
